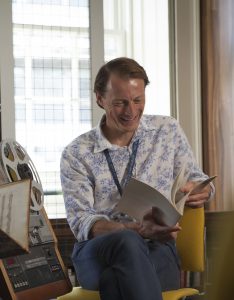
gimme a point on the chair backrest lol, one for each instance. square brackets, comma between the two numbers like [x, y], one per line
[191, 240]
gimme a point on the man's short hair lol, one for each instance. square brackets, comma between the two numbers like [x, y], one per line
[123, 67]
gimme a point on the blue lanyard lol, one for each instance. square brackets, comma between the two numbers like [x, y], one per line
[129, 168]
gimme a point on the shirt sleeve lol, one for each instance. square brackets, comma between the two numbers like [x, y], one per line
[77, 187]
[184, 154]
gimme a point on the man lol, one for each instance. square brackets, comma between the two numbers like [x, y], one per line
[121, 258]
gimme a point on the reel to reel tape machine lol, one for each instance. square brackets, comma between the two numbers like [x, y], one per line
[40, 274]
[16, 165]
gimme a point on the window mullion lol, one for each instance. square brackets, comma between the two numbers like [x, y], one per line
[97, 50]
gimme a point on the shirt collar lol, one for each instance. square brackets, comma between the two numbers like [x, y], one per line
[101, 143]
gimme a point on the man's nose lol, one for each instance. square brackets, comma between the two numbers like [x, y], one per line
[130, 107]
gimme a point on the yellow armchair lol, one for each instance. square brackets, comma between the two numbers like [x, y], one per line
[190, 245]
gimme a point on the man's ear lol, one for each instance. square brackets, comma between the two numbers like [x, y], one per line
[99, 98]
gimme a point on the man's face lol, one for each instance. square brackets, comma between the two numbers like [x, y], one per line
[124, 103]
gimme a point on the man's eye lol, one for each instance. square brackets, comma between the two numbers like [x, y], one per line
[118, 103]
[137, 101]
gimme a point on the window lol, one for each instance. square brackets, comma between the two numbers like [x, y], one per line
[48, 113]
[51, 77]
[19, 82]
[20, 113]
[51, 44]
[52, 72]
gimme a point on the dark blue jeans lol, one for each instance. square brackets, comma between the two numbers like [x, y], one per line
[124, 266]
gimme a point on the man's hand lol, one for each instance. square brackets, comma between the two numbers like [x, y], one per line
[196, 199]
[104, 226]
[152, 227]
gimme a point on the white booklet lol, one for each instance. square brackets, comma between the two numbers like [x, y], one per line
[14, 217]
[138, 198]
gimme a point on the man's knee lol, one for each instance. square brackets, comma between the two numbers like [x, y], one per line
[128, 241]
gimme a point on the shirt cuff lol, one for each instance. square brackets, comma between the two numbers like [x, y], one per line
[89, 223]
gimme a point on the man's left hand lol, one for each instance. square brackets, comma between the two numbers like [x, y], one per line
[196, 199]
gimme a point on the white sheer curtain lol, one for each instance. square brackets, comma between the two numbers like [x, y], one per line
[139, 29]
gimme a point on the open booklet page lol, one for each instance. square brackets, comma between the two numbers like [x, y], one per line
[138, 198]
[14, 214]
[180, 180]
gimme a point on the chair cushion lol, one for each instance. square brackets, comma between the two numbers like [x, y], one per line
[81, 294]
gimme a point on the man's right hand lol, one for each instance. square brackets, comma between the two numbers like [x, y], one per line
[104, 226]
[151, 227]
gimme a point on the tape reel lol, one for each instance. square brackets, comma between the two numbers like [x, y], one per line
[17, 165]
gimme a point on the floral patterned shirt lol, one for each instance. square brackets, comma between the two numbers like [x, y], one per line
[89, 190]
